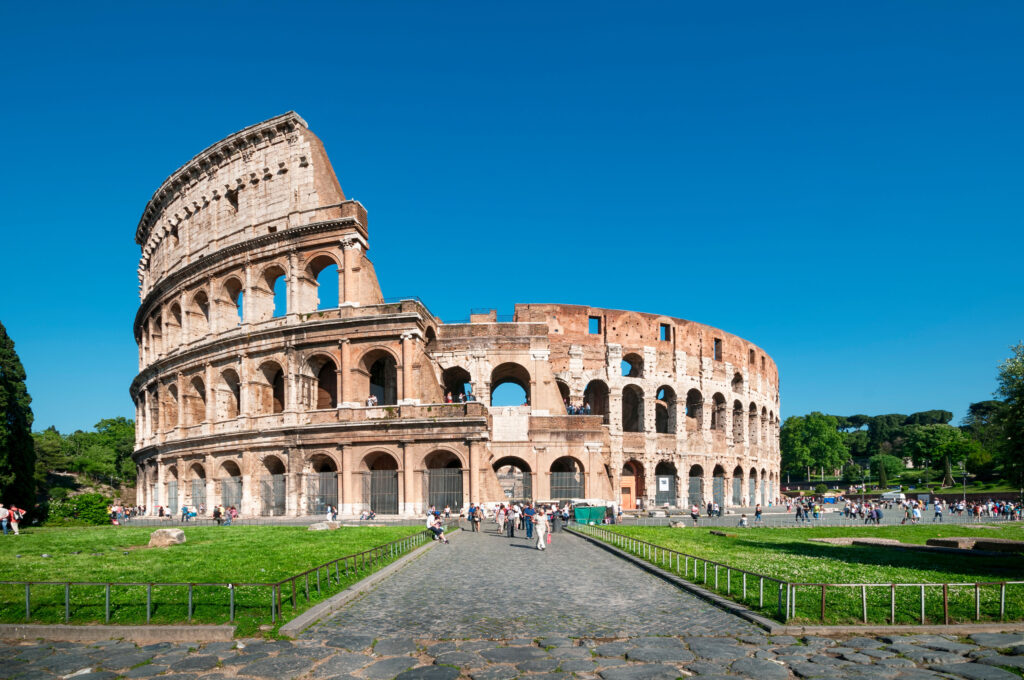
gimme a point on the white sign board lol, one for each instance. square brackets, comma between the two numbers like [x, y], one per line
[663, 483]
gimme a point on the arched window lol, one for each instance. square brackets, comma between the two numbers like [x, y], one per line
[327, 385]
[737, 422]
[171, 408]
[665, 413]
[324, 272]
[737, 486]
[596, 397]
[694, 410]
[567, 479]
[510, 385]
[173, 329]
[276, 282]
[444, 480]
[195, 411]
[456, 381]
[737, 383]
[696, 486]
[229, 396]
[718, 412]
[270, 395]
[752, 422]
[514, 478]
[563, 391]
[234, 293]
[632, 366]
[632, 409]
[199, 315]
[384, 380]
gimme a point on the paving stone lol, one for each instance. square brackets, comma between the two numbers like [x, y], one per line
[519, 642]
[513, 654]
[919, 674]
[817, 641]
[203, 662]
[806, 669]
[660, 654]
[571, 653]
[758, 668]
[613, 648]
[1017, 649]
[353, 643]
[577, 666]
[998, 639]
[862, 643]
[394, 646]
[824, 660]
[65, 664]
[857, 657]
[461, 659]
[753, 639]
[157, 647]
[281, 667]
[538, 665]
[981, 653]
[641, 672]
[877, 653]
[796, 650]
[478, 645]
[385, 669]
[33, 653]
[97, 675]
[923, 655]
[1000, 660]
[429, 673]
[949, 646]
[179, 676]
[36, 674]
[218, 647]
[146, 671]
[602, 662]
[241, 660]
[551, 676]
[783, 640]
[556, 642]
[976, 671]
[715, 649]
[705, 668]
[495, 673]
[895, 661]
[342, 663]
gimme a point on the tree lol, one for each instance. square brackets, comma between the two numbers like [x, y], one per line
[885, 466]
[856, 443]
[17, 449]
[934, 417]
[885, 429]
[796, 455]
[1011, 416]
[932, 443]
[982, 424]
[812, 440]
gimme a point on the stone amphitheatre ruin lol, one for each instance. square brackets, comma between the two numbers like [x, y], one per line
[264, 407]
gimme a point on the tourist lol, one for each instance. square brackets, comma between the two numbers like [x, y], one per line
[5, 516]
[462, 397]
[694, 513]
[499, 518]
[217, 514]
[540, 523]
[757, 513]
[435, 525]
[448, 398]
[184, 513]
[529, 520]
[743, 520]
[511, 520]
[799, 512]
[447, 512]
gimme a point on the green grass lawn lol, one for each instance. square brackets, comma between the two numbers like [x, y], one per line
[239, 554]
[786, 554]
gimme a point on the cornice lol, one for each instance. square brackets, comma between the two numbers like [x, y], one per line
[213, 156]
[169, 282]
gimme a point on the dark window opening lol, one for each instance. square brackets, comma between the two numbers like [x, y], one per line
[718, 349]
[232, 197]
[751, 356]
[665, 333]
[594, 325]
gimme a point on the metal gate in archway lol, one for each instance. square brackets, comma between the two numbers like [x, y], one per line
[696, 495]
[172, 497]
[516, 484]
[666, 489]
[231, 492]
[718, 491]
[321, 491]
[380, 489]
[737, 491]
[198, 493]
[443, 488]
[566, 485]
[272, 495]
[753, 491]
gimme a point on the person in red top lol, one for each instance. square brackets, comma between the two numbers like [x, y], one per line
[15, 518]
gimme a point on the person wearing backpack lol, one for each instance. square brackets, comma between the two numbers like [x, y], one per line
[5, 516]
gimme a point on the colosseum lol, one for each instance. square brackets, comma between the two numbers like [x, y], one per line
[275, 377]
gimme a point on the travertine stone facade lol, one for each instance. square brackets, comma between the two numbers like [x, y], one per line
[252, 393]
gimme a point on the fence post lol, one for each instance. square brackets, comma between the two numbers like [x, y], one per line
[760, 601]
[977, 602]
[28, 603]
[705, 571]
[945, 603]
[922, 605]
[864, 602]
[781, 615]
[67, 603]
[716, 577]
[892, 604]
[823, 586]
[149, 601]
[190, 601]
[1002, 601]
[318, 580]
[231, 603]
[294, 604]
[307, 586]
[107, 603]
[792, 601]
[744, 586]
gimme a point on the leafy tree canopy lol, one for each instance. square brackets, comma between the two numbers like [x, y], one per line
[17, 453]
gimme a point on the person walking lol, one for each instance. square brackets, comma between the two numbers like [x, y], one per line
[694, 513]
[5, 516]
[938, 511]
[510, 521]
[540, 522]
[529, 515]
[499, 518]
[757, 513]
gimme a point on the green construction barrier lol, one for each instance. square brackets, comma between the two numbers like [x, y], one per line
[593, 514]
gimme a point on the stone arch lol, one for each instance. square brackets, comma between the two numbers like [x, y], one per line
[156, 334]
[752, 487]
[443, 472]
[456, 380]
[718, 486]
[737, 382]
[233, 295]
[172, 328]
[666, 479]
[324, 372]
[631, 484]
[195, 401]
[695, 486]
[718, 412]
[269, 389]
[765, 484]
[199, 314]
[379, 365]
[752, 422]
[514, 477]
[170, 409]
[632, 365]
[737, 422]
[567, 478]
[380, 471]
[596, 396]
[195, 486]
[514, 374]
[230, 477]
[632, 409]
[172, 493]
[229, 394]
[563, 391]
[737, 486]
[323, 280]
[321, 483]
[694, 410]
[273, 486]
[270, 294]
[665, 410]
[764, 423]
[429, 339]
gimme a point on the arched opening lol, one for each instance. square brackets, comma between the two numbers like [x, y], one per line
[718, 412]
[632, 366]
[737, 422]
[157, 336]
[752, 422]
[173, 328]
[199, 315]
[326, 382]
[514, 478]
[752, 487]
[270, 397]
[197, 492]
[665, 411]
[321, 484]
[195, 402]
[171, 408]
[273, 487]
[694, 411]
[510, 385]
[172, 490]
[430, 341]
[566, 475]
[665, 479]
[696, 486]
[382, 370]
[456, 381]
[737, 486]
[563, 392]
[765, 484]
[443, 480]
[230, 485]
[631, 485]
[632, 409]
[718, 486]
[596, 397]
[380, 483]
[737, 383]
[323, 270]
[276, 284]
[229, 395]
[234, 294]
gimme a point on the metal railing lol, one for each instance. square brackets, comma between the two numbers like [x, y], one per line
[952, 594]
[334, 573]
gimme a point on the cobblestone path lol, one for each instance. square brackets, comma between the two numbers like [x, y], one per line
[484, 585]
[572, 612]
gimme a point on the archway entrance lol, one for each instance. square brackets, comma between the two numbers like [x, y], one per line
[696, 490]
[198, 490]
[631, 485]
[384, 380]
[737, 486]
[230, 485]
[596, 396]
[443, 480]
[753, 487]
[566, 479]
[718, 486]
[514, 478]
[665, 474]
[273, 487]
[456, 381]
[321, 485]
[380, 483]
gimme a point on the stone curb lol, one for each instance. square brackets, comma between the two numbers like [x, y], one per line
[336, 602]
[773, 627]
[776, 628]
[137, 634]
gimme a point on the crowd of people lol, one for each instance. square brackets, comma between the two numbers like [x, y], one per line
[576, 408]
[910, 511]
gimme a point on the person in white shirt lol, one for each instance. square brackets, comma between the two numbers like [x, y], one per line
[540, 525]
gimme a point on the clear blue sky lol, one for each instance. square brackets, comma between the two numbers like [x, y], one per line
[840, 183]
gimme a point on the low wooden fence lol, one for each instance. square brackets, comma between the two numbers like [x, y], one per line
[849, 601]
[332, 575]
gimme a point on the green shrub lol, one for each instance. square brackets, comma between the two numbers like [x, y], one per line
[87, 508]
[820, 489]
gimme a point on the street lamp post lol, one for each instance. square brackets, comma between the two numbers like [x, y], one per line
[963, 471]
